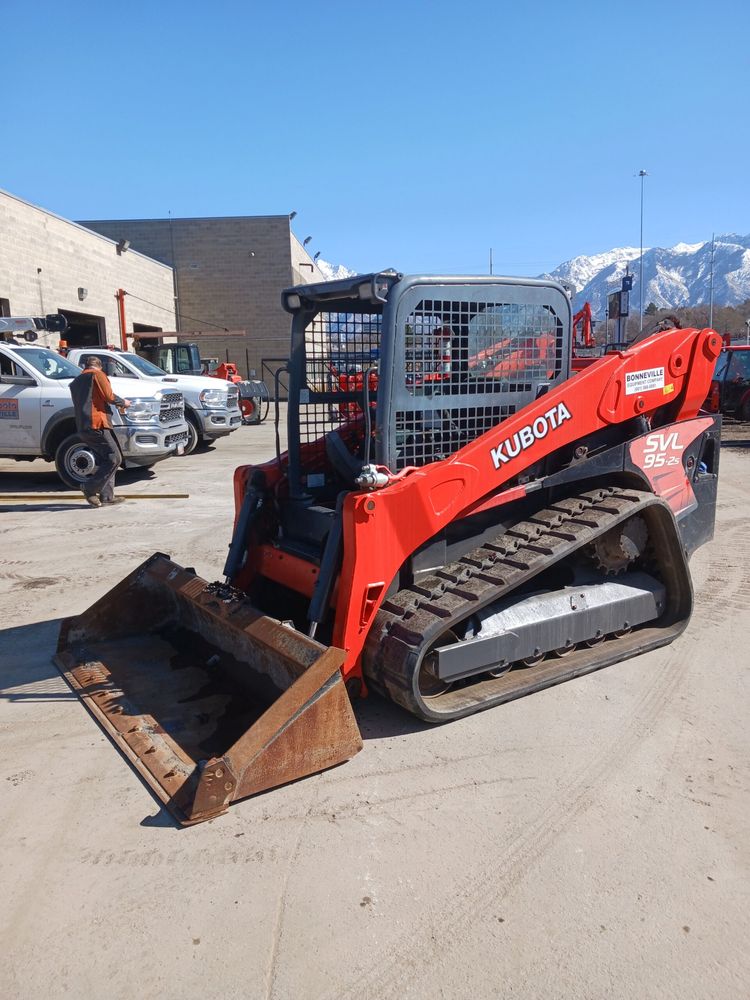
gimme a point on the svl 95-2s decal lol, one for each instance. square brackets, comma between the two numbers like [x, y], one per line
[661, 450]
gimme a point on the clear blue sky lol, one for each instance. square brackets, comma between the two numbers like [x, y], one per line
[413, 135]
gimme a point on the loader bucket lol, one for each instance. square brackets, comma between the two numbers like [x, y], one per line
[210, 700]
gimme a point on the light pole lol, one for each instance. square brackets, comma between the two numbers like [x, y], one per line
[747, 334]
[711, 284]
[643, 175]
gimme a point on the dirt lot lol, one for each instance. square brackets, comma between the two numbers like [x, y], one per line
[590, 841]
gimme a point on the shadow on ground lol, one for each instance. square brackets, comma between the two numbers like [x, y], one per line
[378, 719]
[16, 507]
[28, 675]
[26, 655]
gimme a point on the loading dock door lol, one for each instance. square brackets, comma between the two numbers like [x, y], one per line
[84, 330]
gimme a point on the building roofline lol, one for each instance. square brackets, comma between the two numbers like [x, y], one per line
[185, 218]
[79, 225]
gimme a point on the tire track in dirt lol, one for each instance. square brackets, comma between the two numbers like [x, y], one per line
[480, 892]
[22, 581]
[330, 807]
[724, 592]
[277, 931]
[726, 587]
[19, 571]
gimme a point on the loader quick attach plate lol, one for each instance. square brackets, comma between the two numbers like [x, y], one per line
[210, 700]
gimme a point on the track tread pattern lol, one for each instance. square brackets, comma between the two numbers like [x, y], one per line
[411, 620]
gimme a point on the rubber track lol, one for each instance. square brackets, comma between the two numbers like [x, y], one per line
[411, 622]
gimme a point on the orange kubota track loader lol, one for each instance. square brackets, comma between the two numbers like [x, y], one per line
[449, 532]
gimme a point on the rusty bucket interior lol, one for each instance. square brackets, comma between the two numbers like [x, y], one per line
[210, 700]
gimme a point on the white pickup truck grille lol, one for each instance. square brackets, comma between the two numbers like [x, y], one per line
[172, 408]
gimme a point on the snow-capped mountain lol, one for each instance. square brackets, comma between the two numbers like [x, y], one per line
[675, 276]
[334, 272]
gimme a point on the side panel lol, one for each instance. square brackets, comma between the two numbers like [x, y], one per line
[661, 457]
[681, 463]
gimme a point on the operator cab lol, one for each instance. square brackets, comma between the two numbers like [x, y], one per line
[439, 361]
[400, 371]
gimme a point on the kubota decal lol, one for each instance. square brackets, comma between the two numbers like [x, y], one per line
[512, 446]
[8, 409]
[642, 381]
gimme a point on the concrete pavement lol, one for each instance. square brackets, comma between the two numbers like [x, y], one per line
[589, 841]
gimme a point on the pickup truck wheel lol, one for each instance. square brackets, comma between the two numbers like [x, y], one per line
[194, 435]
[76, 462]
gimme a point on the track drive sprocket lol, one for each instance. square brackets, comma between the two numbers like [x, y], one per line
[615, 550]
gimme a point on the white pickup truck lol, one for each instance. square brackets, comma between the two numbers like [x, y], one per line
[212, 407]
[37, 419]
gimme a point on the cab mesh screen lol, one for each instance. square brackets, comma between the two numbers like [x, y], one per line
[458, 355]
[341, 350]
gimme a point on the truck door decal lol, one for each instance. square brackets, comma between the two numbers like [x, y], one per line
[8, 409]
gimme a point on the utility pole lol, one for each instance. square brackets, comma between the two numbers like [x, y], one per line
[490, 260]
[642, 174]
[711, 285]
[747, 334]
[120, 296]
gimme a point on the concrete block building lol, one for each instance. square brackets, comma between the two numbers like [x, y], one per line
[229, 273]
[49, 264]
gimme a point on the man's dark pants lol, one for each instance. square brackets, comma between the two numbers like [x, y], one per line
[104, 445]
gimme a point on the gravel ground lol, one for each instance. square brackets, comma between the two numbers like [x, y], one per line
[590, 841]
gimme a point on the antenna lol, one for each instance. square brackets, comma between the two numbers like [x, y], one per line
[643, 175]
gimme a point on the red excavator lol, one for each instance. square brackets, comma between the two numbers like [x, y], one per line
[449, 545]
[583, 320]
[584, 347]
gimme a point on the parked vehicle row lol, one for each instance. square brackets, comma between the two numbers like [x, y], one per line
[178, 404]
[211, 406]
[37, 418]
[170, 414]
[185, 359]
